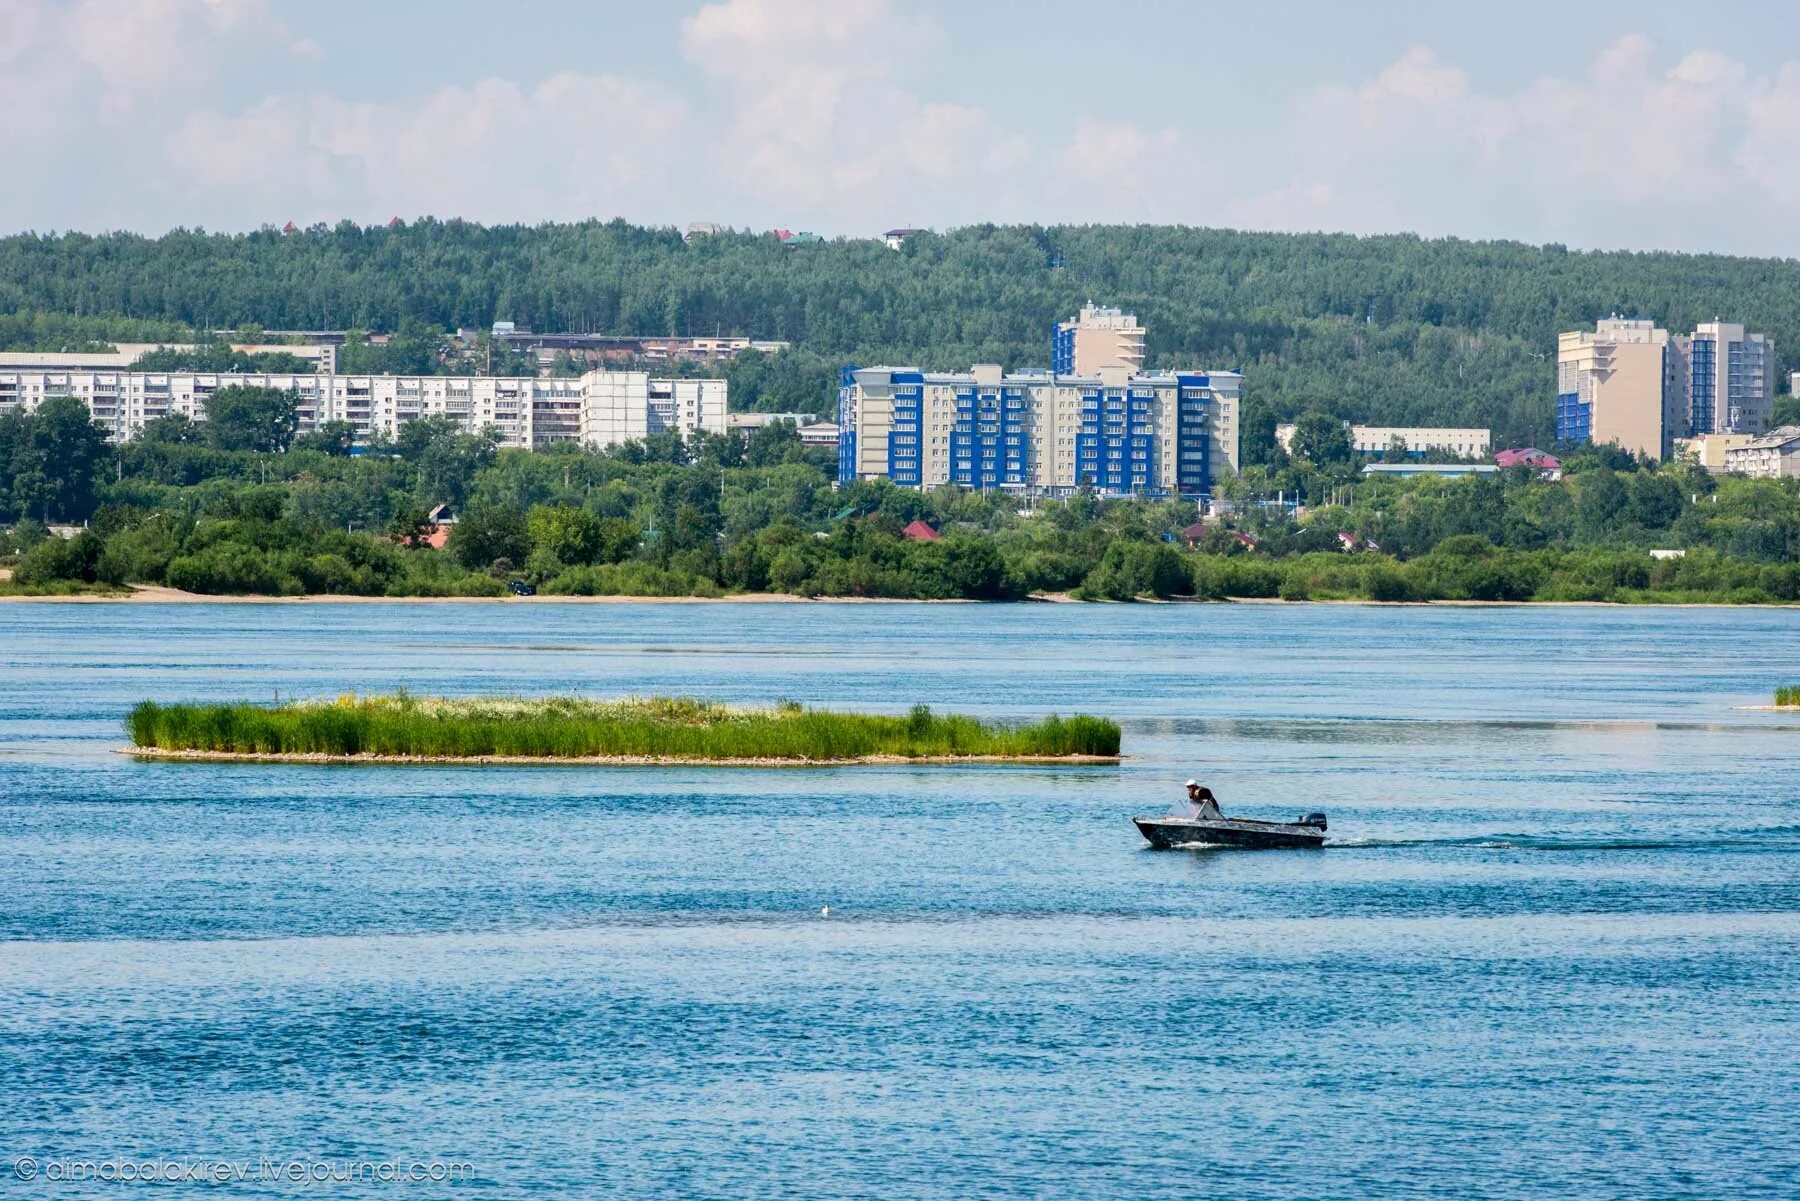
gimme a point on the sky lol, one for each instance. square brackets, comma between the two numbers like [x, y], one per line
[1643, 126]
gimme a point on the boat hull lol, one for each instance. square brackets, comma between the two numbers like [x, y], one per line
[1168, 833]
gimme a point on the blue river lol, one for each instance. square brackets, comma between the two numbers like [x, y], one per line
[1552, 949]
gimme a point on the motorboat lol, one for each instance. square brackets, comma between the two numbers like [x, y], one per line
[1168, 833]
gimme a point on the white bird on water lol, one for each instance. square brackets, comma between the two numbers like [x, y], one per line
[825, 912]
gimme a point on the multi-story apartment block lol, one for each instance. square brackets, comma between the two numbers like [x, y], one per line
[601, 408]
[1098, 338]
[1419, 440]
[1619, 384]
[1773, 456]
[1730, 379]
[1632, 383]
[1116, 431]
[323, 355]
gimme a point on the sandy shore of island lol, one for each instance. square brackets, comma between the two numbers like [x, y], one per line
[363, 760]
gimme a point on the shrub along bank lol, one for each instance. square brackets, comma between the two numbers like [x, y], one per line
[236, 504]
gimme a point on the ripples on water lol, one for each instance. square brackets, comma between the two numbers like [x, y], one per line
[1550, 952]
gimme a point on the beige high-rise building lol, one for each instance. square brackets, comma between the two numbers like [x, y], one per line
[1099, 338]
[1619, 384]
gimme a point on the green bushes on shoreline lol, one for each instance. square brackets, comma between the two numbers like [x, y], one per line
[1787, 695]
[719, 515]
[570, 728]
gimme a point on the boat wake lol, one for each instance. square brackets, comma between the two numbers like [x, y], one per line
[1785, 838]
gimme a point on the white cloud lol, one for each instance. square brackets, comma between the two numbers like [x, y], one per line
[573, 146]
[1631, 152]
[143, 47]
[848, 115]
[821, 121]
[22, 22]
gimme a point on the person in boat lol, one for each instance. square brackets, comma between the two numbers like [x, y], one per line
[1202, 799]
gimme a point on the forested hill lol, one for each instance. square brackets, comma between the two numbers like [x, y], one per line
[1393, 329]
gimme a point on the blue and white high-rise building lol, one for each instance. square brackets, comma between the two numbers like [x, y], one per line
[1117, 431]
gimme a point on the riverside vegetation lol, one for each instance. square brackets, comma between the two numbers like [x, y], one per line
[1389, 330]
[660, 728]
[237, 504]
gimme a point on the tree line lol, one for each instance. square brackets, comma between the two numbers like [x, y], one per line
[1386, 330]
[243, 503]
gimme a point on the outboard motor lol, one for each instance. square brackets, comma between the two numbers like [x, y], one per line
[1316, 820]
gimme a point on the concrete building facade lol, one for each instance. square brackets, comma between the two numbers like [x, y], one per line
[1619, 383]
[323, 356]
[601, 408]
[1632, 383]
[1419, 440]
[1116, 431]
[1097, 339]
[1773, 456]
[1709, 450]
[1729, 379]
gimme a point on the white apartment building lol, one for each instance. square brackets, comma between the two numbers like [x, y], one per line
[1419, 440]
[1116, 431]
[1775, 455]
[601, 408]
[323, 356]
[1096, 339]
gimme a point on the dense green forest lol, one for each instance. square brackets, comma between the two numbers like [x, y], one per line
[1393, 329]
[242, 503]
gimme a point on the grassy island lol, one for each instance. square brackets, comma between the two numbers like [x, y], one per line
[404, 729]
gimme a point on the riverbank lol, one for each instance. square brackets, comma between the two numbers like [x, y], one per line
[158, 594]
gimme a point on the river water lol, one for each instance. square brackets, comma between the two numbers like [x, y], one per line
[1551, 950]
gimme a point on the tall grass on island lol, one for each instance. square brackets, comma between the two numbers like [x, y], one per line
[404, 726]
[1788, 696]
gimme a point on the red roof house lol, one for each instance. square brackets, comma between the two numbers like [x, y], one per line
[1531, 456]
[918, 531]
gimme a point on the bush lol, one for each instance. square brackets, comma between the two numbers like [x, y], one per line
[1129, 570]
[228, 568]
[1382, 581]
[58, 559]
[138, 556]
[629, 579]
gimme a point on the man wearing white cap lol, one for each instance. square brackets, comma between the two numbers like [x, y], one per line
[1205, 805]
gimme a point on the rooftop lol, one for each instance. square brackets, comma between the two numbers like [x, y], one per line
[1038, 375]
[1408, 469]
[1781, 435]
